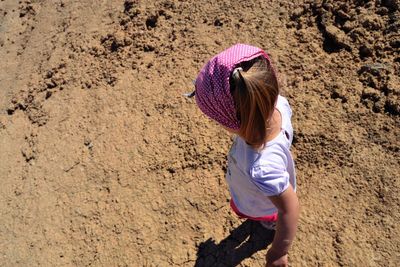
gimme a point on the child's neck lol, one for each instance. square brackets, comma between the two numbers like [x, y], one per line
[275, 126]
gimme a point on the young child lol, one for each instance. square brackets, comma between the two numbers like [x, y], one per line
[239, 89]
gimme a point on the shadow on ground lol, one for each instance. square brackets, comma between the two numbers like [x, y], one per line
[242, 243]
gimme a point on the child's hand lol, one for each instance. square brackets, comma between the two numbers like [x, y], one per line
[276, 260]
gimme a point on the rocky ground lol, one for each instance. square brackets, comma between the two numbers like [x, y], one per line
[104, 163]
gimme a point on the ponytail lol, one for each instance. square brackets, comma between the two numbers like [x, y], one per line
[255, 91]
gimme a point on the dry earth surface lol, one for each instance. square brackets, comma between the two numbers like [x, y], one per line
[104, 163]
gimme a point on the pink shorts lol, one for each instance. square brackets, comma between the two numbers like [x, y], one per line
[267, 218]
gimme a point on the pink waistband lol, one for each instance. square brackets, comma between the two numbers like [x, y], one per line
[267, 218]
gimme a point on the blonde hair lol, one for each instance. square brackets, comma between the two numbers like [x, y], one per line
[255, 91]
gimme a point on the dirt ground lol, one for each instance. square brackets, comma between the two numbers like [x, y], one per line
[104, 163]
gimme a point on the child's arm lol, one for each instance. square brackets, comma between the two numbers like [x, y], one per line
[288, 214]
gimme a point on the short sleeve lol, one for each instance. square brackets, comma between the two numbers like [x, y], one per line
[271, 177]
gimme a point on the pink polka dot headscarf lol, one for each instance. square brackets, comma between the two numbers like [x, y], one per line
[213, 95]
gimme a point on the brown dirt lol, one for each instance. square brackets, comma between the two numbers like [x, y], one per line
[104, 163]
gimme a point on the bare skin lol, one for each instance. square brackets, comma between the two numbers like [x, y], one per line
[275, 125]
[288, 215]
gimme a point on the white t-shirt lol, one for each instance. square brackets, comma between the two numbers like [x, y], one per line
[253, 175]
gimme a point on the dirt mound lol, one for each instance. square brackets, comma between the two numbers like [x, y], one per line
[103, 161]
[370, 31]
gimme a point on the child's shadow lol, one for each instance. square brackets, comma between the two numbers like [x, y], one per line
[243, 242]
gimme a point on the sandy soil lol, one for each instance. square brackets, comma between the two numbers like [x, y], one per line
[104, 163]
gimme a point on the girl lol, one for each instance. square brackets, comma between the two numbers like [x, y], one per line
[239, 89]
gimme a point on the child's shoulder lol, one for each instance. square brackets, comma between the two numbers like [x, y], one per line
[274, 154]
[283, 104]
